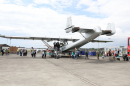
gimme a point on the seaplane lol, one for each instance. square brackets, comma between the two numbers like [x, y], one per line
[88, 35]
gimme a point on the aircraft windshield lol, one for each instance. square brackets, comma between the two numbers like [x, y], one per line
[129, 41]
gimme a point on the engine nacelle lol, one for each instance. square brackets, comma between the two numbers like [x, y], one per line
[68, 30]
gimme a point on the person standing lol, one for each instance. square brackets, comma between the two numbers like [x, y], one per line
[42, 54]
[110, 53]
[55, 54]
[72, 55]
[34, 53]
[50, 54]
[58, 46]
[86, 53]
[21, 52]
[45, 53]
[54, 45]
[17, 51]
[76, 53]
[69, 55]
[81, 53]
[97, 54]
[103, 55]
[26, 52]
[116, 53]
[8, 51]
[2, 52]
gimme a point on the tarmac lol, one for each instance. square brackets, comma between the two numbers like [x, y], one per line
[30, 71]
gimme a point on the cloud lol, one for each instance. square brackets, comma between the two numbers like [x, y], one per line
[42, 1]
[107, 7]
[33, 21]
[58, 4]
[2, 1]
[18, 2]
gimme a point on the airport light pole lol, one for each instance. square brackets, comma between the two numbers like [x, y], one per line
[7, 41]
[98, 42]
[10, 42]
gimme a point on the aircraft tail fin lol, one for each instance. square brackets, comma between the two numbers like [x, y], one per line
[69, 25]
[69, 22]
[110, 30]
[111, 26]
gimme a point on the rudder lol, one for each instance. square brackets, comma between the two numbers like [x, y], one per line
[111, 26]
[69, 22]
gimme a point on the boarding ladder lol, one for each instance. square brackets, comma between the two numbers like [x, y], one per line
[49, 47]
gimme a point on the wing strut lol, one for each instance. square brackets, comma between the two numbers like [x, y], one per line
[83, 35]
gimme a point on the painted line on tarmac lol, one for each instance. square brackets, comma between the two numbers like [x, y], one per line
[76, 75]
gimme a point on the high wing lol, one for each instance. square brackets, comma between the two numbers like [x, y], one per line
[100, 41]
[40, 38]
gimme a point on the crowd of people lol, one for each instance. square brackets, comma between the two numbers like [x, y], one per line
[22, 52]
[5, 51]
[33, 53]
[114, 54]
[74, 54]
[57, 46]
[44, 53]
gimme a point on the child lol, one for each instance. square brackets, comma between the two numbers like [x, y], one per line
[42, 54]
[103, 55]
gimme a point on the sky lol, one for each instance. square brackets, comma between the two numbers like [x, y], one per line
[47, 18]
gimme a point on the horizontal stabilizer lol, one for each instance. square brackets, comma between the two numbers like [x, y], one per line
[102, 41]
[110, 30]
[106, 32]
[81, 30]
